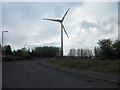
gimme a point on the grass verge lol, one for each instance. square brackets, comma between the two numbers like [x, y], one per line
[106, 66]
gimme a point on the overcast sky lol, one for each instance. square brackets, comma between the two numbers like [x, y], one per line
[85, 23]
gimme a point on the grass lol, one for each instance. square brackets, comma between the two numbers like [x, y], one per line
[106, 66]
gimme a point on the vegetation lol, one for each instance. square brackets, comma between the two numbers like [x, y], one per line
[106, 66]
[45, 52]
[26, 54]
[81, 53]
[41, 52]
[106, 58]
[7, 50]
[12, 58]
[108, 49]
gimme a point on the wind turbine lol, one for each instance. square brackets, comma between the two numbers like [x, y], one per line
[62, 28]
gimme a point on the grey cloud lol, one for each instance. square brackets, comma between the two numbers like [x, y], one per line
[119, 20]
[111, 23]
[87, 25]
[105, 27]
[15, 38]
[16, 12]
[82, 41]
[63, 6]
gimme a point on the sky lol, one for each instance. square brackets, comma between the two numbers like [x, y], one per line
[86, 23]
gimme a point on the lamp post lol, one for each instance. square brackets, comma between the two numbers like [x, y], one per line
[3, 37]
[3, 40]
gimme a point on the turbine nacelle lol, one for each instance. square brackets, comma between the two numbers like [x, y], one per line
[60, 21]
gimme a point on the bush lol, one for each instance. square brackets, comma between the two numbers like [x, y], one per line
[12, 58]
[28, 56]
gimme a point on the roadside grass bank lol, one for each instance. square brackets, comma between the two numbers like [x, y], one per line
[106, 66]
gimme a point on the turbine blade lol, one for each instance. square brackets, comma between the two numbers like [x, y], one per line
[56, 20]
[65, 15]
[65, 30]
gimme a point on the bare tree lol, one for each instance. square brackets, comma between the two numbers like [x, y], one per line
[72, 52]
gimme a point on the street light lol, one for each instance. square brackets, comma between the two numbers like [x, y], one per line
[3, 37]
[3, 40]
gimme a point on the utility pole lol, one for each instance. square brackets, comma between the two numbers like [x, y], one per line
[3, 38]
[3, 41]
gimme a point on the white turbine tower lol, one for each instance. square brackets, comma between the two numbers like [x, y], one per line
[62, 28]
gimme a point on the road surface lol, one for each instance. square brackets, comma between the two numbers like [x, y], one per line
[30, 74]
[0, 70]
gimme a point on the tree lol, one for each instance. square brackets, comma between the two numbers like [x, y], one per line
[116, 48]
[45, 51]
[18, 53]
[72, 52]
[82, 53]
[8, 51]
[78, 52]
[86, 53]
[106, 50]
[97, 51]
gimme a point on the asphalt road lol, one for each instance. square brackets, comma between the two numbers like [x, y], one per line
[30, 74]
[0, 71]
